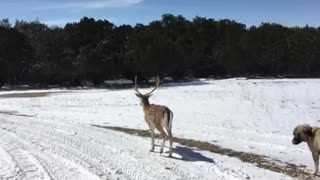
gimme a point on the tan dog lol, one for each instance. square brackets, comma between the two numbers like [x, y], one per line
[310, 135]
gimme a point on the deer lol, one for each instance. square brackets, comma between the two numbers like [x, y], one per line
[156, 116]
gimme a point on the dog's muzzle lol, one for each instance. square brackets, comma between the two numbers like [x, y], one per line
[296, 141]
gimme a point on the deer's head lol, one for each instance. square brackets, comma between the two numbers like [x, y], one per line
[144, 98]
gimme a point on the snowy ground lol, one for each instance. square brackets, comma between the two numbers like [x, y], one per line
[51, 137]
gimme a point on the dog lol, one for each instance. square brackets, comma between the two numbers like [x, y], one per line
[310, 135]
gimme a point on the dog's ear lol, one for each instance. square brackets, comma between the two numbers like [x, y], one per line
[308, 131]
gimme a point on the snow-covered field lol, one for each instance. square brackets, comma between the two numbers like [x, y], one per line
[52, 137]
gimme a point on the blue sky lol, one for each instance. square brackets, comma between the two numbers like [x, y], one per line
[249, 12]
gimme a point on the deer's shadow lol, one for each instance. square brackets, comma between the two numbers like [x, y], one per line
[189, 154]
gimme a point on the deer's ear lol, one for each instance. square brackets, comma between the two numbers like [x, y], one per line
[149, 95]
[138, 95]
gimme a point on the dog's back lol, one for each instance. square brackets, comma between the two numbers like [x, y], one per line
[316, 135]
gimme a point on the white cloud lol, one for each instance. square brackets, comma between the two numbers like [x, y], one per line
[100, 4]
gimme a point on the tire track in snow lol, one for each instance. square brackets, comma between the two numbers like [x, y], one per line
[23, 165]
[116, 160]
[62, 149]
[8, 166]
[58, 167]
[37, 163]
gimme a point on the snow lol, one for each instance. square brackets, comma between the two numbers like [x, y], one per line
[52, 137]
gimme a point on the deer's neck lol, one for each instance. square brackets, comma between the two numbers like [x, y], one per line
[145, 106]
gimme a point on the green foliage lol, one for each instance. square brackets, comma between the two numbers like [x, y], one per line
[97, 50]
[16, 56]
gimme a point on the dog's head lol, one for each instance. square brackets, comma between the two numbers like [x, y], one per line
[301, 133]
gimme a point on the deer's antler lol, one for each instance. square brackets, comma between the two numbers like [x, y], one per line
[136, 86]
[157, 85]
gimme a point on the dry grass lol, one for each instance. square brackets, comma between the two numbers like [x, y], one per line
[14, 113]
[29, 95]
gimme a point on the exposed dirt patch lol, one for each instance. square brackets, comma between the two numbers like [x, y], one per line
[29, 95]
[14, 113]
[261, 161]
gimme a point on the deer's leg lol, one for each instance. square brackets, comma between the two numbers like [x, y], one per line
[169, 135]
[163, 133]
[166, 129]
[170, 140]
[151, 128]
[163, 142]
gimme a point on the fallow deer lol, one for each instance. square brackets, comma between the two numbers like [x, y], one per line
[157, 117]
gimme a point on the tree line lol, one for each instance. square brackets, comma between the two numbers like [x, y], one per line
[97, 50]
